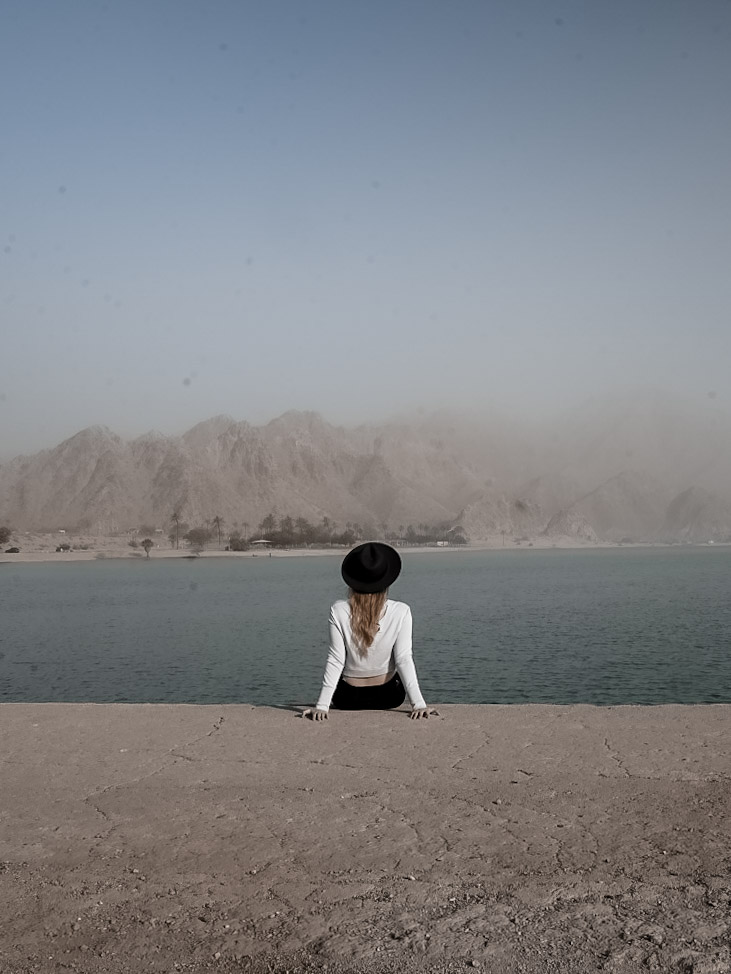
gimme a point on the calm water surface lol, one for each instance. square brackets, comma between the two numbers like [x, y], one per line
[603, 626]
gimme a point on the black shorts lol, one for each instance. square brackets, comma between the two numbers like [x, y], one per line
[384, 696]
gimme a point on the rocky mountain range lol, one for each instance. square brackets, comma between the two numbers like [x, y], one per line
[644, 468]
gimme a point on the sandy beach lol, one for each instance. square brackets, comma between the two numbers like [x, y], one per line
[41, 548]
[495, 838]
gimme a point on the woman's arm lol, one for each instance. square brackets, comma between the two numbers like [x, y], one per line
[404, 659]
[334, 666]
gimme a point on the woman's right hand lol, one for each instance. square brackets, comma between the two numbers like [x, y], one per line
[315, 714]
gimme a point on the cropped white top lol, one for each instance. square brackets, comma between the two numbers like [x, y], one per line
[391, 648]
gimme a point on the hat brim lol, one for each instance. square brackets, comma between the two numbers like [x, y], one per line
[391, 573]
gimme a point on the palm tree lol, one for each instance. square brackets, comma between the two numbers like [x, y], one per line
[286, 529]
[268, 525]
[217, 524]
[176, 521]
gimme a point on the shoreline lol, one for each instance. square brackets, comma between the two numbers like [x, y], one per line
[100, 549]
[236, 838]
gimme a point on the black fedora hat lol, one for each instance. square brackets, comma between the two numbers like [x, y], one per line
[371, 567]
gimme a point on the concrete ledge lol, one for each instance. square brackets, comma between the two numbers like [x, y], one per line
[230, 838]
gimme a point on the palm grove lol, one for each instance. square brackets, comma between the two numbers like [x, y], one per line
[289, 532]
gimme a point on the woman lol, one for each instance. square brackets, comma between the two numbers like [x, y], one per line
[370, 664]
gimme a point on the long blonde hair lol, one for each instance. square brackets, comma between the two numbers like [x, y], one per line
[366, 609]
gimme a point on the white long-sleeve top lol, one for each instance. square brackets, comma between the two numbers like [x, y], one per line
[390, 648]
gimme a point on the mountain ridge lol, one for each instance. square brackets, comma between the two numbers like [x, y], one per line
[607, 475]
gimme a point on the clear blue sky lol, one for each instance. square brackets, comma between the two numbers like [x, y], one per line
[357, 207]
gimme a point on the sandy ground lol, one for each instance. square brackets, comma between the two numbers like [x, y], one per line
[112, 548]
[532, 839]
[39, 547]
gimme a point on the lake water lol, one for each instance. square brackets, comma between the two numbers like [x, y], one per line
[602, 626]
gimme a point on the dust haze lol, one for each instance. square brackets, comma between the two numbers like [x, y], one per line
[640, 469]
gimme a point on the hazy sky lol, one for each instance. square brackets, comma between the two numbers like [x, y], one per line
[357, 207]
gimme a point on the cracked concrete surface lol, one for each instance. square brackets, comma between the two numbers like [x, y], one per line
[526, 838]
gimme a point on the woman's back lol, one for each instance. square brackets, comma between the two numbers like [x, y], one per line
[393, 634]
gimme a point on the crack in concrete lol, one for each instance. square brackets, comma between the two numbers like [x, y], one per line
[615, 758]
[559, 848]
[353, 767]
[167, 763]
[89, 799]
[453, 767]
